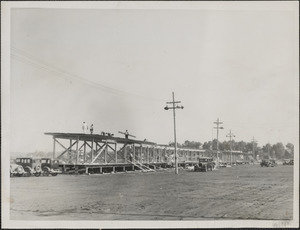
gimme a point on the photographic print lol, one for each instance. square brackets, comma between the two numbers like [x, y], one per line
[154, 114]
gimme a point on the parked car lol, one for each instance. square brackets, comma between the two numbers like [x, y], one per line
[205, 164]
[50, 166]
[38, 167]
[268, 163]
[16, 170]
[31, 166]
[288, 162]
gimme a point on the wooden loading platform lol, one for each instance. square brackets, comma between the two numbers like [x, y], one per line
[95, 153]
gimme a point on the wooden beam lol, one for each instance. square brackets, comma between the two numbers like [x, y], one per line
[105, 154]
[133, 147]
[77, 150]
[108, 145]
[66, 149]
[125, 154]
[92, 148]
[53, 147]
[60, 144]
[84, 151]
[93, 160]
[116, 155]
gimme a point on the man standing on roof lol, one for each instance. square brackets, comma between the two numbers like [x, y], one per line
[85, 127]
[126, 134]
[92, 128]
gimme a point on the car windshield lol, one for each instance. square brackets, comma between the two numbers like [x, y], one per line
[204, 159]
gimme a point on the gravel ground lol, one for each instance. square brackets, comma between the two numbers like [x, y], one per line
[240, 192]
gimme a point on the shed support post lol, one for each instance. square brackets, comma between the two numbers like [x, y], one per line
[92, 149]
[133, 153]
[125, 153]
[77, 151]
[54, 147]
[116, 154]
[105, 153]
[84, 151]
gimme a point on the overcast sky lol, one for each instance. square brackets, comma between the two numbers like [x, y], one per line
[117, 68]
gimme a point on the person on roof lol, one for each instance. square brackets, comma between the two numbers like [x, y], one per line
[126, 134]
[85, 127]
[92, 128]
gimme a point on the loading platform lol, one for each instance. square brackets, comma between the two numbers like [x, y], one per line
[105, 153]
[95, 153]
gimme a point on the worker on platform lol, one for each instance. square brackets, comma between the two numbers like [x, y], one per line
[131, 157]
[85, 127]
[126, 134]
[92, 128]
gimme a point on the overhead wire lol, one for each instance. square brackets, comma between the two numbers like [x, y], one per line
[27, 58]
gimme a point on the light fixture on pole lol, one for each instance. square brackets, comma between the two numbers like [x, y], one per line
[218, 127]
[174, 106]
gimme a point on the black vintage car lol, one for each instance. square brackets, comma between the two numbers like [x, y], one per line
[268, 163]
[288, 162]
[50, 166]
[30, 166]
[205, 164]
[37, 167]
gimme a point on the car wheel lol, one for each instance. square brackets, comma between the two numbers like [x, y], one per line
[46, 172]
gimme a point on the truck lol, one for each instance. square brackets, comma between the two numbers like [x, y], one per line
[205, 164]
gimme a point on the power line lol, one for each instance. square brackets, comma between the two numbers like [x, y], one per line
[29, 59]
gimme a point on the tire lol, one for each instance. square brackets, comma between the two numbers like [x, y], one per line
[205, 168]
[46, 172]
[54, 174]
[27, 173]
[37, 174]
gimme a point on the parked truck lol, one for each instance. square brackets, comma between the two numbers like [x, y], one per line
[205, 164]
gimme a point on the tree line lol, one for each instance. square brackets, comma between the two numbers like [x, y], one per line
[278, 150]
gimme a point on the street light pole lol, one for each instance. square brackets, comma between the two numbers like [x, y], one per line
[174, 106]
[218, 127]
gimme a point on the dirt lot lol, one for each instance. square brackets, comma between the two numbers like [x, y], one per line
[241, 192]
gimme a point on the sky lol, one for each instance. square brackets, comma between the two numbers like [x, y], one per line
[117, 68]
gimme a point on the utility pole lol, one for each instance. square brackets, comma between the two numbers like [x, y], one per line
[230, 135]
[212, 139]
[218, 127]
[174, 106]
[253, 147]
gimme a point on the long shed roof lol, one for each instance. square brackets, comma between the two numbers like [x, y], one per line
[97, 137]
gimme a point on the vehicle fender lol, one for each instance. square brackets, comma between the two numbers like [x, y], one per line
[47, 168]
[29, 168]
